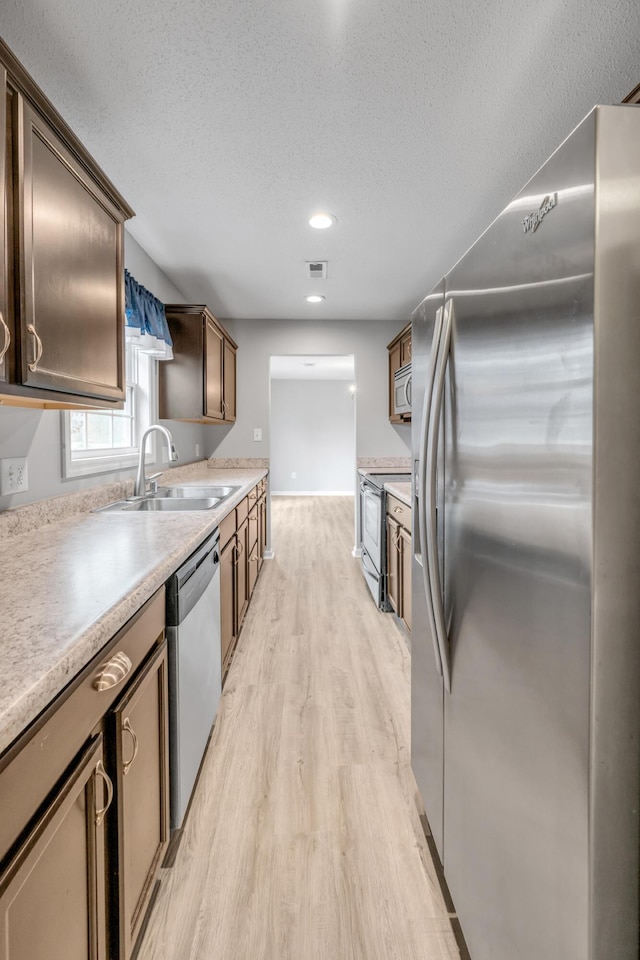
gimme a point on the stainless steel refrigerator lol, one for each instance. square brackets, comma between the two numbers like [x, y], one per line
[526, 573]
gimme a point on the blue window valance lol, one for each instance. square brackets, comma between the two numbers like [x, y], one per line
[145, 321]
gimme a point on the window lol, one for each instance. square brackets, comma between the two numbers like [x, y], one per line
[101, 441]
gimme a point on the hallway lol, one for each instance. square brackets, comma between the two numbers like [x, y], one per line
[303, 841]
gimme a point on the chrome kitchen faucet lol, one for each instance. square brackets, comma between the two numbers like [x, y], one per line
[140, 487]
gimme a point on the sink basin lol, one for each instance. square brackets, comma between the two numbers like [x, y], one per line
[199, 492]
[173, 498]
[161, 503]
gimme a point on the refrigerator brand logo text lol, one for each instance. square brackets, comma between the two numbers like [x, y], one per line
[533, 220]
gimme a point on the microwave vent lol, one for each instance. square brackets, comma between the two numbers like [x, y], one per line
[316, 269]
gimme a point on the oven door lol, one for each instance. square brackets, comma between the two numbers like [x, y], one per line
[371, 521]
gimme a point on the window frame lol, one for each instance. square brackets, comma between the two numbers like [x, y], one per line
[142, 375]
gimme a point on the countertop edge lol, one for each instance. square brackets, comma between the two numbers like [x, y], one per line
[37, 695]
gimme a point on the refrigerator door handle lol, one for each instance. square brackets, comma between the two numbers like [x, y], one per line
[421, 485]
[431, 504]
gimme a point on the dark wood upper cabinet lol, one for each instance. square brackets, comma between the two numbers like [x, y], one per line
[61, 258]
[399, 355]
[199, 384]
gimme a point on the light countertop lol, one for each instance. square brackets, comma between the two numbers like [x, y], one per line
[400, 490]
[69, 586]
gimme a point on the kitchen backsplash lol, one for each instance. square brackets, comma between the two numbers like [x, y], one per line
[392, 463]
[239, 463]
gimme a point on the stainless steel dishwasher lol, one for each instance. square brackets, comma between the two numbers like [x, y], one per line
[195, 668]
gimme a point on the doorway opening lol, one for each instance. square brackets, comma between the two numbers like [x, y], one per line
[312, 425]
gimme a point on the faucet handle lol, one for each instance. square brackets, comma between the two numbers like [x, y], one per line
[153, 482]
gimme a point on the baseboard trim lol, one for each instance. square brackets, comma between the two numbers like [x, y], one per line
[313, 493]
[268, 555]
[356, 552]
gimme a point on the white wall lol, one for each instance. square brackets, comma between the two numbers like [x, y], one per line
[36, 434]
[312, 435]
[258, 340]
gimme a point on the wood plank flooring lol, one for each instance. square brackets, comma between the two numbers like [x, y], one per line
[303, 841]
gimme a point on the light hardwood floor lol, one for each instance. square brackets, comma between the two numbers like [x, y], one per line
[303, 841]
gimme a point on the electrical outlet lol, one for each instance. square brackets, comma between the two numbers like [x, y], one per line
[13, 476]
[197, 449]
[257, 433]
[294, 475]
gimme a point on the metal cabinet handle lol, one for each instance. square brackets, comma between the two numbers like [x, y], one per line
[126, 725]
[38, 345]
[113, 672]
[397, 510]
[395, 539]
[253, 559]
[253, 519]
[102, 773]
[7, 337]
[239, 548]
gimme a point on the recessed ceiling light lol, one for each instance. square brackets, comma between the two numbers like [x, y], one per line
[321, 221]
[314, 298]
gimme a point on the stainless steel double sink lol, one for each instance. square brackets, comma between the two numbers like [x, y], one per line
[201, 497]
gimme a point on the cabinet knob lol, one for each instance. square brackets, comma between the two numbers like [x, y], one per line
[397, 509]
[113, 672]
[7, 337]
[38, 344]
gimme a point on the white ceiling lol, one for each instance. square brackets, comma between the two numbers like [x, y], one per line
[226, 123]
[312, 368]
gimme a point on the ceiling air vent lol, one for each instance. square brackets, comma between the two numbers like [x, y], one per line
[316, 269]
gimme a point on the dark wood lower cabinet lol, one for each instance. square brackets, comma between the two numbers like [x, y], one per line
[405, 577]
[242, 579]
[96, 761]
[399, 566]
[140, 831]
[262, 530]
[227, 599]
[52, 890]
[253, 548]
[393, 563]
[243, 535]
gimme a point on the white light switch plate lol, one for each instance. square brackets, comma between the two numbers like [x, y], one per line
[257, 433]
[13, 476]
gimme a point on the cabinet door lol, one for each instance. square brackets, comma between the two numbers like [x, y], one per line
[5, 193]
[405, 348]
[213, 364]
[393, 563]
[227, 598]
[394, 364]
[254, 547]
[405, 577]
[263, 528]
[229, 391]
[141, 774]
[71, 270]
[242, 580]
[52, 891]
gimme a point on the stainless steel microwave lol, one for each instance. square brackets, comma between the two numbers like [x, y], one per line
[402, 391]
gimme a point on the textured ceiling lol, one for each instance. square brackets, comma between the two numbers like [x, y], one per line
[225, 124]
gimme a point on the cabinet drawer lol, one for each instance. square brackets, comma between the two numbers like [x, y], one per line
[32, 766]
[399, 511]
